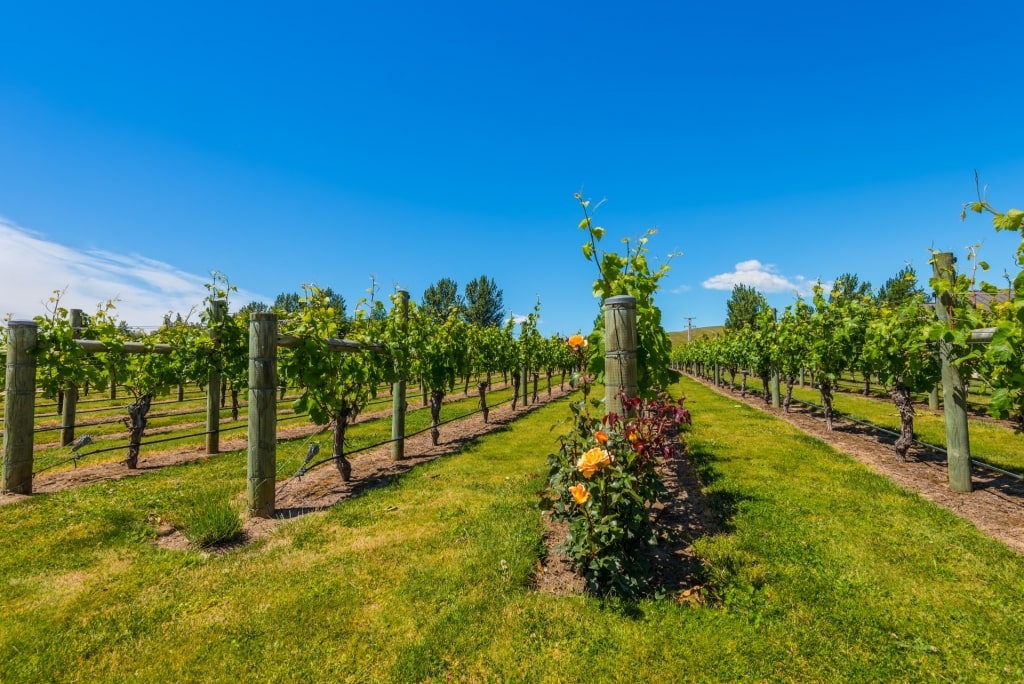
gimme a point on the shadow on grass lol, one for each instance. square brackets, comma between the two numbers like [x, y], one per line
[696, 508]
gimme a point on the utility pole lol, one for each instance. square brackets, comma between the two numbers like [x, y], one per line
[689, 327]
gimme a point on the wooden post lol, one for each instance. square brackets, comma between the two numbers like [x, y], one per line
[773, 381]
[954, 396]
[933, 398]
[218, 309]
[620, 371]
[524, 373]
[262, 414]
[67, 420]
[19, 407]
[399, 405]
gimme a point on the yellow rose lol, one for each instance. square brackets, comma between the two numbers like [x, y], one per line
[579, 494]
[592, 461]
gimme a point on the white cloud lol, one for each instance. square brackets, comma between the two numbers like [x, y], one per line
[762, 277]
[32, 267]
[680, 289]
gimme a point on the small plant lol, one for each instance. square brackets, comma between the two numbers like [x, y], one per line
[210, 523]
[603, 480]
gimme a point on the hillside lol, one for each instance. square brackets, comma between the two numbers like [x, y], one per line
[679, 337]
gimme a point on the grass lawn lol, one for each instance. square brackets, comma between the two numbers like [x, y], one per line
[819, 571]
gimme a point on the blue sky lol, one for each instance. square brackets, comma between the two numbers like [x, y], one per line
[143, 145]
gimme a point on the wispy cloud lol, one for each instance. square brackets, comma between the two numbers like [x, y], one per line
[518, 318]
[762, 277]
[32, 267]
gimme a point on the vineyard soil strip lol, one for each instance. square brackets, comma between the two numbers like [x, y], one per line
[927, 445]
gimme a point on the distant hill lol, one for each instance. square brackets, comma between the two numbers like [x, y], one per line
[695, 333]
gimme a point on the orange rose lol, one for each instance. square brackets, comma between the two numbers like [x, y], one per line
[579, 494]
[577, 341]
[592, 461]
[632, 437]
[601, 437]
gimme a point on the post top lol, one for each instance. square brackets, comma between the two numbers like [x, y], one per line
[262, 316]
[626, 301]
[21, 324]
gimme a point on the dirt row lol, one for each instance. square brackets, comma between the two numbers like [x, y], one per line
[321, 487]
[995, 506]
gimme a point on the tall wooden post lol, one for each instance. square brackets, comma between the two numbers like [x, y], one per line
[773, 381]
[399, 405]
[218, 309]
[620, 371]
[933, 398]
[262, 414]
[524, 373]
[19, 407]
[954, 395]
[67, 420]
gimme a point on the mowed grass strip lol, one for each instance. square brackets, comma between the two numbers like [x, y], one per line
[818, 571]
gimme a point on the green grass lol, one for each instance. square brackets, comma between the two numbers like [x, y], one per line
[211, 522]
[819, 571]
[991, 442]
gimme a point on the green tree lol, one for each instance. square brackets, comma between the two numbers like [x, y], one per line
[743, 307]
[287, 303]
[252, 307]
[442, 300]
[898, 289]
[484, 304]
[848, 285]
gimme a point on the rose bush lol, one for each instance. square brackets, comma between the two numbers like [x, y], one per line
[602, 482]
